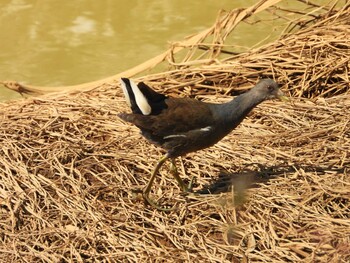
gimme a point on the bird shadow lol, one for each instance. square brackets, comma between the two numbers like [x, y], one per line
[257, 174]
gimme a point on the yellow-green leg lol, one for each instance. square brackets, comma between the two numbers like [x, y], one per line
[154, 173]
[147, 189]
[175, 173]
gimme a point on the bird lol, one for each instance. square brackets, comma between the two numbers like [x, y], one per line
[184, 125]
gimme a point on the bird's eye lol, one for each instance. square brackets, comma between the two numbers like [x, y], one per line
[270, 88]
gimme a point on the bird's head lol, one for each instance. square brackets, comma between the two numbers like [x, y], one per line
[269, 89]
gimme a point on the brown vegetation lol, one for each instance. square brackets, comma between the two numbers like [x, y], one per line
[275, 190]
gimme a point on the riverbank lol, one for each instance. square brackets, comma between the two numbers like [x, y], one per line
[279, 183]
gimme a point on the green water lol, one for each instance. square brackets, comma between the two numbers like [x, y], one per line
[55, 43]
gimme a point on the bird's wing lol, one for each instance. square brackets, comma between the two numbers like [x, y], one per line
[184, 115]
[180, 116]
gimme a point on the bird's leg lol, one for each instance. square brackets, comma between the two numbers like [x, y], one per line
[173, 168]
[175, 173]
[147, 189]
[154, 173]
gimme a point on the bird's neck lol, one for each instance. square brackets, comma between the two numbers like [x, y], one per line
[235, 111]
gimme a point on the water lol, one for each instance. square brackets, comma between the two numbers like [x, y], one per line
[55, 43]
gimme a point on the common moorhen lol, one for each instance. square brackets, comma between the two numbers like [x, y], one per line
[184, 125]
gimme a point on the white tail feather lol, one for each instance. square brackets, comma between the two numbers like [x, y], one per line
[140, 99]
[125, 91]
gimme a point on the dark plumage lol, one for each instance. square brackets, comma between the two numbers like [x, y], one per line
[184, 125]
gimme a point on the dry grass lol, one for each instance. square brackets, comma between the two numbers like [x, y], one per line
[314, 61]
[279, 184]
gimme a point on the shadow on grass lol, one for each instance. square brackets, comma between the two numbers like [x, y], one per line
[252, 177]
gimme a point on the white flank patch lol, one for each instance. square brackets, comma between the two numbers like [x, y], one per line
[125, 91]
[174, 136]
[141, 100]
[206, 129]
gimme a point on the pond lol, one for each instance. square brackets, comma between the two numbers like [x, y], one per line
[57, 43]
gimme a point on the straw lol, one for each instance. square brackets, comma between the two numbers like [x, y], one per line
[274, 190]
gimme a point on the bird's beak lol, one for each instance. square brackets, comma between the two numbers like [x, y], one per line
[280, 95]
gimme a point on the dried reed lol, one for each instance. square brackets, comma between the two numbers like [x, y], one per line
[275, 190]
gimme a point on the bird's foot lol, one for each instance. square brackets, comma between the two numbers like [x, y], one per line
[136, 194]
[188, 189]
[185, 188]
[152, 203]
[139, 194]
[190, 185]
